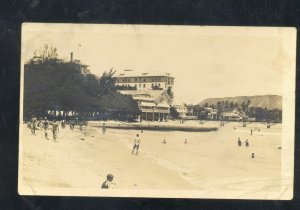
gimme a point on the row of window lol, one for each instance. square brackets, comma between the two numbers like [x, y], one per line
[143, 85]
[158, 79]
[156, 108]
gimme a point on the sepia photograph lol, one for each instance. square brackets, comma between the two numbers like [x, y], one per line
[164, 111]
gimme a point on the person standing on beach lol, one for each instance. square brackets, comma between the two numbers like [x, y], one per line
[239, 142]
[136, 145]
[106, 184]
[80, 125]
[247, 143]
[45, 127]
[55, 129]
[72, 124]
[251, 131]
[63, 123]
[103, 128]
[33, 124]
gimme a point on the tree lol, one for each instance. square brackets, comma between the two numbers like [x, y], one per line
[173, 112]
[47, 54]
[58, 87]
[243, 105]
[52, 84]
[226, 104]
[197, 109]
[236, 105]
[219, 108]
[170, 92]
[231, 105]
[248, 105]
[120, 103]
[107, 82]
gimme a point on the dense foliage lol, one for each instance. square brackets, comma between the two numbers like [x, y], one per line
[52, 84]
[173, 112]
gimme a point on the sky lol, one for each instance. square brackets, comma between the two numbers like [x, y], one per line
[207, 62]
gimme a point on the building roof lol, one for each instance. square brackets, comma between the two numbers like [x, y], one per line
[144, 95]
[131, 73]
[163, 105]
[148, 104]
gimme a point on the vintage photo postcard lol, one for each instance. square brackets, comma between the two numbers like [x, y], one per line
[157, 111]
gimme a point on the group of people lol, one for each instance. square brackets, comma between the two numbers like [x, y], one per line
[246, 144]
[240, 142]
[52, 126]
[164, 141]
[137, 142]
[44, 125]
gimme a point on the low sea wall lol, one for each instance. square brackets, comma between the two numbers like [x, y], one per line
[150, 127]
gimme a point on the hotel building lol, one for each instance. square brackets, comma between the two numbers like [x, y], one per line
[145, 81]
[150, 92]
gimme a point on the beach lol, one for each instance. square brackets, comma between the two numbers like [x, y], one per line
[208, 161]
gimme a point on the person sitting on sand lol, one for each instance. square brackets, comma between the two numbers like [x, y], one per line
[136, 145]
[252, 156]
[106, 184]
[247, 143]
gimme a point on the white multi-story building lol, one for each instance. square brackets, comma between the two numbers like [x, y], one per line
[211, 113]
[232, 115]
[144, 81]
[181, 109]
[150, 90]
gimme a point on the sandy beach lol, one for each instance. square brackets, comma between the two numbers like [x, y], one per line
[209, 161]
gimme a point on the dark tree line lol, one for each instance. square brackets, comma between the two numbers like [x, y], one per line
[53, 84]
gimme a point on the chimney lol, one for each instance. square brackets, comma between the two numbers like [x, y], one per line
[71, 56]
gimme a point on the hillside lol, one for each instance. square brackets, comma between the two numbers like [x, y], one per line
[269, 101]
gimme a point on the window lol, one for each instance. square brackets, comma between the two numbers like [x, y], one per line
[135, 79]
[139, 85]
[144, 85]
[158, 84]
